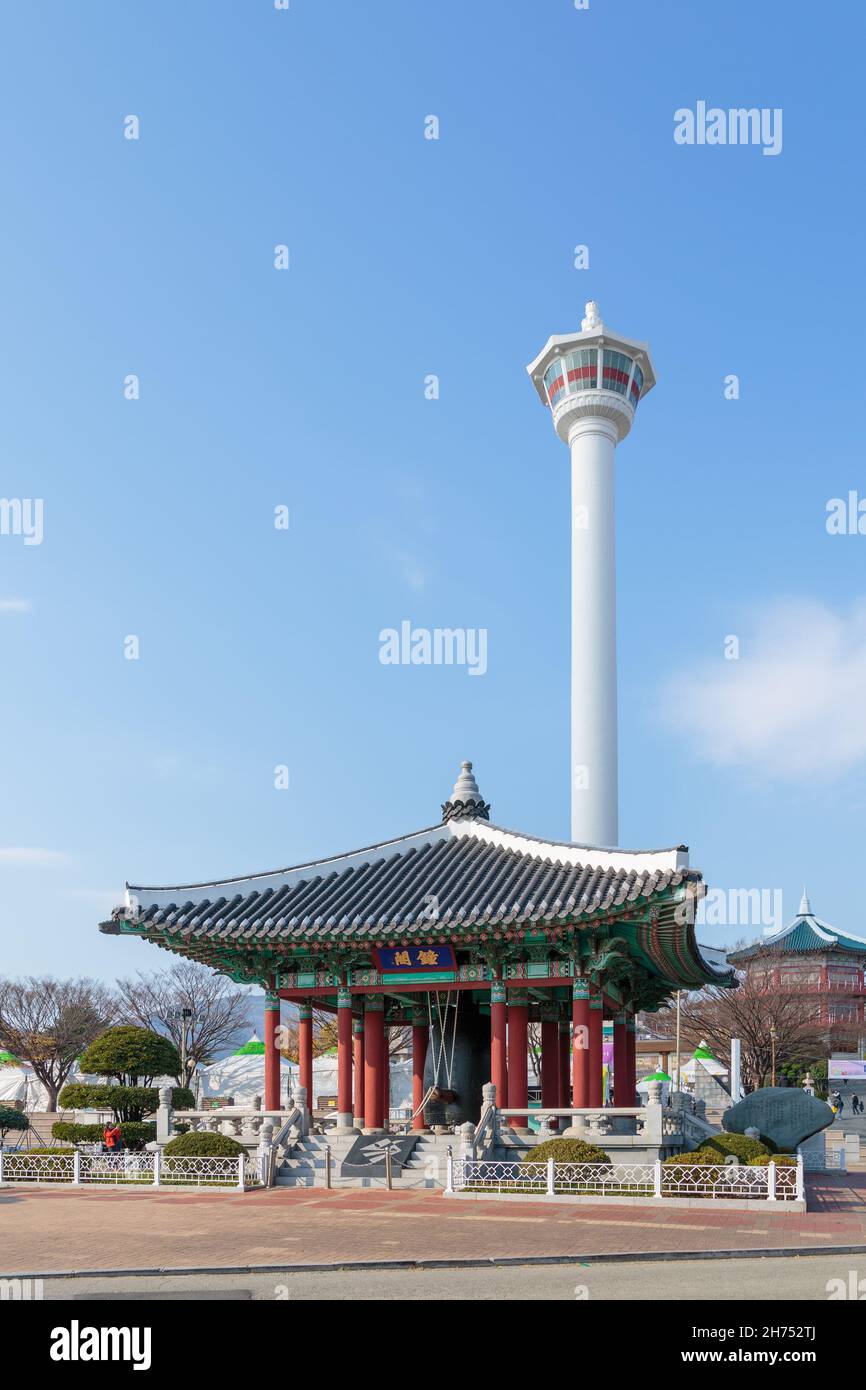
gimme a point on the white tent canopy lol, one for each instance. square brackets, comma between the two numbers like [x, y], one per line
[242, 1076]
[704, 1056]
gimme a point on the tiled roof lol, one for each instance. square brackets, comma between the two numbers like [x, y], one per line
[806, 935]
[464, 873]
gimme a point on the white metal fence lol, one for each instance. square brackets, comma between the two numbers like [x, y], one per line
[129, 1169]
[770, 1182]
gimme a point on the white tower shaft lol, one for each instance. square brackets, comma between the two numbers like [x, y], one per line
[591, 382]
[594, 761]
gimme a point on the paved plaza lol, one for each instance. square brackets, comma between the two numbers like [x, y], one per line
[48, 1229]
[769, 1279]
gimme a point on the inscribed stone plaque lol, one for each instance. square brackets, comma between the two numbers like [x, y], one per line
[784, 1114]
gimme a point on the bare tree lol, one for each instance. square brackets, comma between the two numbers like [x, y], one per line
[767, 1022]
[47, 1023]
[219, 1011]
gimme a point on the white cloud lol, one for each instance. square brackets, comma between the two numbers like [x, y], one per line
[412, 570]
[792, 706]
[15, 605]
[34, 858]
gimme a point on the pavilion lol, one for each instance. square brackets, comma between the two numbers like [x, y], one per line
[465, 931]
[811, 959]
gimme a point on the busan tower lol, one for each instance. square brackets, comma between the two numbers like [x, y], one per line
[592, 382]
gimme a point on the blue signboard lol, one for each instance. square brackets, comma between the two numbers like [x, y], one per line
[409, 958]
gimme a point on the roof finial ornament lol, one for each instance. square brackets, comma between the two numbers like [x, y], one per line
[465, 801]
[805, 905]
[593, 319]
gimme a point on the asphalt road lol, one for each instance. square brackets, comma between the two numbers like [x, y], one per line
[770, 1279]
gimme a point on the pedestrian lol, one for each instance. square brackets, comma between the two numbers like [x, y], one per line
[838, 1102]
[112, 1138]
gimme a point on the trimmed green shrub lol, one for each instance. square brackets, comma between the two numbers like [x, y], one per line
[125, 1102]
[130, 1055]
[134, 1134]
[703, 1157]
[204, 1145]
[781, 1160]
[739, 1145]
[11, 1119]
[58, 1150]
[566, 1151]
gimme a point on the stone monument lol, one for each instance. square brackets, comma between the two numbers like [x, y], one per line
[784, 1114]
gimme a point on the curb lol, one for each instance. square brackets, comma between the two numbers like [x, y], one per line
[491, 1262]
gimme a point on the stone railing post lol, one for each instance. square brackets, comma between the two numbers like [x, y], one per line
[449, 1174]
[771, 1181]
[466, 1134]
[657, 1178]
[299, 1098]
[157, 1166]
[263, 1152]
[488, 1098]
[165, 1116]
[653, 1123]
[800, 1182]
[551, 1178]
[76, 1168]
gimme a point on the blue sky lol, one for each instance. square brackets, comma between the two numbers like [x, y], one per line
[305, 388]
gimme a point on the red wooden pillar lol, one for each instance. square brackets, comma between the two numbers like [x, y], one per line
[518, 1056]
[564, 1063]
[305, 1050]
[498, 1064]
[550, 1059]
[386, 1078]
[420, 1039]
[631, 1060]
[374, 1044]
[272, 1051]
[580, 1043]
[596, 1033]
[358, 1035]
[620, 1062]
[344, 1058]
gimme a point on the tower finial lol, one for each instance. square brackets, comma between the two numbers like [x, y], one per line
[592, 319]
[465, 801]
[805, 905]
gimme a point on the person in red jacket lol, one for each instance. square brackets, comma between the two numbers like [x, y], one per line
[111, 1138]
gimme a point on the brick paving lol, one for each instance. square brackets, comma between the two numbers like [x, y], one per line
[55, 1229]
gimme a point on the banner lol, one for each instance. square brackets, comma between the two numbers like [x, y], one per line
[838, 1070]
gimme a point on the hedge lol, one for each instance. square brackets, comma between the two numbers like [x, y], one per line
[12, 1119]
[203, 1145]
[58, 1150]
[134, 1133]
[736, 1145]
[566, 1151]
[78, 1095]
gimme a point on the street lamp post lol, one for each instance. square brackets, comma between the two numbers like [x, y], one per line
[773, 1053]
